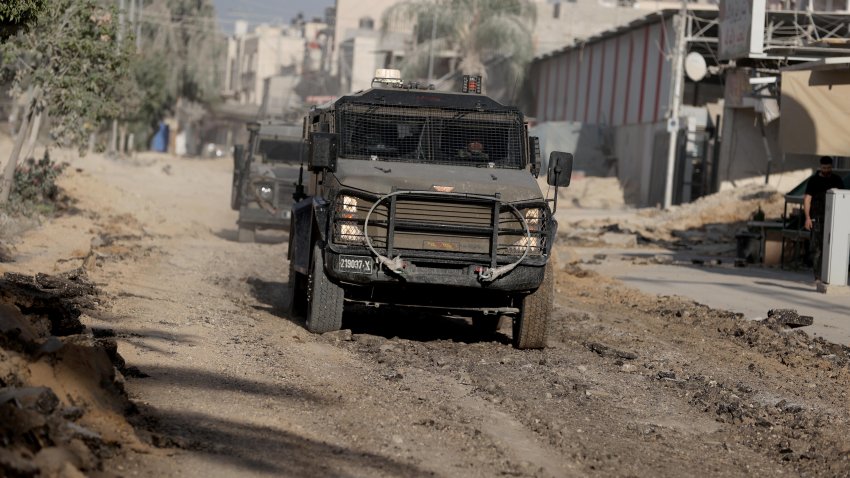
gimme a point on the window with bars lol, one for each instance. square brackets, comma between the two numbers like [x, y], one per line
[431, 135]
[288, 151]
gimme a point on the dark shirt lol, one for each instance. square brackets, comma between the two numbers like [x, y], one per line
[817, 188]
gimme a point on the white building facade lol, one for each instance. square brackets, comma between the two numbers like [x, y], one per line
[255, 59]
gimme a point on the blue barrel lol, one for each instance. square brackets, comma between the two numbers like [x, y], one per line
[159, 143]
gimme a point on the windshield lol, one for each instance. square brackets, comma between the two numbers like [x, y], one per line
[429, 135]
[288, 151]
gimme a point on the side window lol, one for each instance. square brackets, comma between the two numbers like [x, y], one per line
[367, 23]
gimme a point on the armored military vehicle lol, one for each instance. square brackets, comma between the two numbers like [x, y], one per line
[264, 176]
[428, 199]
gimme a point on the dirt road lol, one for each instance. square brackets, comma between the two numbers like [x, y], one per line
[228, 384]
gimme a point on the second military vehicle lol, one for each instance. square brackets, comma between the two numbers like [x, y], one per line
[264, 176]
[422, 198]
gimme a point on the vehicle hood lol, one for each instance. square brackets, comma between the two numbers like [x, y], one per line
[287, 173]
[380, 177]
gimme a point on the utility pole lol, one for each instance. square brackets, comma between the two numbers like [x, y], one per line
[131, 15]
[431, 45]
[113, 140]
[676, 102]
[121, 22]
[139, 6]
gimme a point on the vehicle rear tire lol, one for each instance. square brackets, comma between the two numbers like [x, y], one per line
[325, 299]
[246, 234]
[530, 326]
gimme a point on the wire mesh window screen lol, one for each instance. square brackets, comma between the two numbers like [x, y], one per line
[280, 150]
[429, 135]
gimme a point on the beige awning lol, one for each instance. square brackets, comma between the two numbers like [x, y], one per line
[816, 111]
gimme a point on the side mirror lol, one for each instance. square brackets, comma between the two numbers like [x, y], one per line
[534, 154]
[560, 169]
[323, 150]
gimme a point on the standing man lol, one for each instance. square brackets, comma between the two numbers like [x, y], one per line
[814, 205]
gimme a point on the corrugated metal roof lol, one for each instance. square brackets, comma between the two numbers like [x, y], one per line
[707, 12]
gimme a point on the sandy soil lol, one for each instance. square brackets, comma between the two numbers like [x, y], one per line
[631, 385]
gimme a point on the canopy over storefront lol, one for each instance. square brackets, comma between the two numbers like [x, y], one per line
[816, 108]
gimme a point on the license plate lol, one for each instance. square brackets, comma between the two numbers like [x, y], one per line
[355, 264]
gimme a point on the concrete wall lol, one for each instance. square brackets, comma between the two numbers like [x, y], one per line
[359, 53]
[348, 15]
[255, 57]
[636, 154]
[641, 152]
[743, 158]
[585, 142]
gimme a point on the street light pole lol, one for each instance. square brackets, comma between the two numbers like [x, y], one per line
[675, 102]
[113, 140]
[431, 45]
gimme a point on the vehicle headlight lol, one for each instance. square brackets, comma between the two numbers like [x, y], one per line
[265, 191]
[520, 245]
[534, 218]
[349, 233]
[348, 206]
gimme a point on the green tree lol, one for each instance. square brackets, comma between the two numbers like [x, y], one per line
[150, 73]
[180, 57]
[69, 65]
[479, 32]
[16, 15]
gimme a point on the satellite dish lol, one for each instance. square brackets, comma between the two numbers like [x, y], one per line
[695, 66]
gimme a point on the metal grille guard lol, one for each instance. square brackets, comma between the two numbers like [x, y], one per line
[488, 274]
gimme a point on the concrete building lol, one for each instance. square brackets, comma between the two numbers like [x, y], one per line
[562, 22]
[754, 147]
[358, 46]
[607, 99]
[364, 51]
[264, 65]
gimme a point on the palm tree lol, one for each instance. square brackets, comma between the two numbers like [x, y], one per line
[481, 33]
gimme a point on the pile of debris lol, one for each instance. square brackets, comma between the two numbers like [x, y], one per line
[62, 402]
[710, 220]
[588, 192]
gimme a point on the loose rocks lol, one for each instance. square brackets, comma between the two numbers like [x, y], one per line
[789, 318]
[610, 352]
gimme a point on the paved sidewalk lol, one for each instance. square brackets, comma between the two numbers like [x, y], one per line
[749, 290]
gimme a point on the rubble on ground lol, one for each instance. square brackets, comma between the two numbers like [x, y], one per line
[62, 401]
[789, 318]
[591, 192]
[712, 220]
[6, 254]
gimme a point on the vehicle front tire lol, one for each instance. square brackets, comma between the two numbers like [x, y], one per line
[297, 293]
[235, 196]
[530, 326]
[325, 299]
[236, 190]
[246, 234]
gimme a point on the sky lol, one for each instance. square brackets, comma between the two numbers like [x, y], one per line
[266, 11]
